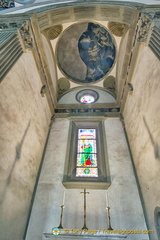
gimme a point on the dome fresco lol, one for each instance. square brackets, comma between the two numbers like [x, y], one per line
[86, 52]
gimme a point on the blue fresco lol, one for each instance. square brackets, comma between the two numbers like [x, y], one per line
[5, 4]
[97, 51]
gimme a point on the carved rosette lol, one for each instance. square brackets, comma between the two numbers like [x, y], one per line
[144, 26]
[25, 33]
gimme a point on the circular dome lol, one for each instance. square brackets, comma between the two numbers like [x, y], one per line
[86, 52]
[87, 96]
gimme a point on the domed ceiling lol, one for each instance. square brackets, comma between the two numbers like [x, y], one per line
[86, 52]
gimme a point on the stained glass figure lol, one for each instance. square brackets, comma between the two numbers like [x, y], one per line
[86, 153]
[86, 160]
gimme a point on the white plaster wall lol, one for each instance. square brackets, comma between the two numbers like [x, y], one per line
[126, 210]
[145, 102]
[24, 121]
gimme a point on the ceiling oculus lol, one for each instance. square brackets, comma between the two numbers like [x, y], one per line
[87, 96]
[86, 52]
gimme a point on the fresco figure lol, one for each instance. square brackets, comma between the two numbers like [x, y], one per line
[97, 51]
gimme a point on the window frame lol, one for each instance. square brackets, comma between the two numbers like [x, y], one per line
[69, 178]
[83, 153]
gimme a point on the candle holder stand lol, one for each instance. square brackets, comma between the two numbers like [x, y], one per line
[109, 219]
[60, 224]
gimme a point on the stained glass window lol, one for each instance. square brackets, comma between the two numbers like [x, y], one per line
[87, 99]
[86, 165]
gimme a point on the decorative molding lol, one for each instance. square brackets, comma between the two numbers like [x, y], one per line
[144, 26]
[11, 25]
[106, 112]
[25, 33]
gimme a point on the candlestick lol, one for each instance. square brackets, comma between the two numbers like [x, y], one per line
[85, 227]
[109, 219]
[107, 200]
[60, 224]
[63, 198]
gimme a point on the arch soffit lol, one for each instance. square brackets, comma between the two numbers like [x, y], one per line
[122, 14]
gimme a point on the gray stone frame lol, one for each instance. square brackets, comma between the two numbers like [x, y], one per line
[69, 178]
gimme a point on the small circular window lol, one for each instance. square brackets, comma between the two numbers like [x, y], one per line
[87, 96]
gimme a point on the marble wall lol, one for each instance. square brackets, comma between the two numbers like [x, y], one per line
[24, 123]
[126, 209]
[142, 117]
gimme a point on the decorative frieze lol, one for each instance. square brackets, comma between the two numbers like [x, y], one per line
[86, 110]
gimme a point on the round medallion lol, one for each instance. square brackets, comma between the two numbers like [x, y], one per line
[86, 52]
